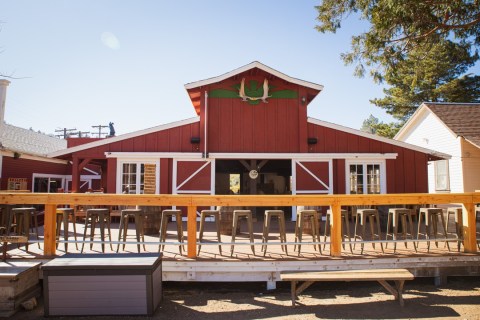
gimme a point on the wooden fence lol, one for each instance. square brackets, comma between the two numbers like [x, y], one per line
[52, 200]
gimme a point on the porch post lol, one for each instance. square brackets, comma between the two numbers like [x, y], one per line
[49, 237]
[336, 230]
[75, 175]
[469, 228]
[192, 232]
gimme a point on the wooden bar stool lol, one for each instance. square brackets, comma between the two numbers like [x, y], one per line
[203, 215]
[345, 228]
[166, 214]
[22, 217]
[406, 219]
[279, 214]
[302, 217]
[361, 217]
[457, 213]
[431, 216]
[63, 215]
[102, 217]
[137, 215]
[242, 214]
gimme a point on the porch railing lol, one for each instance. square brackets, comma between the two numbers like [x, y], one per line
[52, 200]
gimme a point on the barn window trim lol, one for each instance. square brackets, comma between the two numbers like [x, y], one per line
[365, 164]
[138, 174]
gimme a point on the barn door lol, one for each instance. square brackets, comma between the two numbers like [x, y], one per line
[193, 177]
[311, 177]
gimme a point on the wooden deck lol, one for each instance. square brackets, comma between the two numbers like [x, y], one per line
[243, 265]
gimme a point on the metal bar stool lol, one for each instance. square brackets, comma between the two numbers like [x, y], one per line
[361, 217]
[406, 216]
[430, 216]
[63, 215]
[166, 214]
[22, 217]
[203, 215]
[302, 217]
[237, 215]
[457, 213]
[137, 215]
[345, 227]
[102, 216]
[279, 214]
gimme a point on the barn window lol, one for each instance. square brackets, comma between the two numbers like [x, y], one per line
[365, 178]
[442, 180]
[137, 177]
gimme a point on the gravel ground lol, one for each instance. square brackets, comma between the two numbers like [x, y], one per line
[459, 299]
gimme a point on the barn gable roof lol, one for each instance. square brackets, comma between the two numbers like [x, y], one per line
[367, 135]
[194, 91]
[29, 142]
[123, 137]
[460, 118]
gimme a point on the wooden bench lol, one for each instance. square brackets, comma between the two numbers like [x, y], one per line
[381, 275]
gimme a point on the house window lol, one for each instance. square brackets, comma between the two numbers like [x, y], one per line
[47, 184]
[365, 178]
[442, 181]
[137, 177]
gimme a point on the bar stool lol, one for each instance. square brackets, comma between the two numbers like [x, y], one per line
[166, 214]
[63, 215]
[457, 213]
[405, 215]
[237, 215]
[102, 216]
[137, 215]
[345, 227]
[302, 217]
[361, 217]
[279, 214]
[431, 216]
[22, 217]
[203, 215]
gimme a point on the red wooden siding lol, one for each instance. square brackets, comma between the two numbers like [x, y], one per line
[200, 181]
[25, 168]
[305, 181]
[407, 173]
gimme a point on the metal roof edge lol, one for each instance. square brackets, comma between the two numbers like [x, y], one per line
[254, 64]
[124, 137]
[378, 138]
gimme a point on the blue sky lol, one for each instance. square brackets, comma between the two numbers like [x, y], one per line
[85, 63]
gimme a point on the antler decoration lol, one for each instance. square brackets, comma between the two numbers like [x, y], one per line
[244, 97]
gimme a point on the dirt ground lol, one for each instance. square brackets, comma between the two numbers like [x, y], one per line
[458, 299]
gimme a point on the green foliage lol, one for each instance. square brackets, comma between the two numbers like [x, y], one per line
[374, 126]
[421, 49]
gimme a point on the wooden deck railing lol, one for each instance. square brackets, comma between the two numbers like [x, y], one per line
[52, 200]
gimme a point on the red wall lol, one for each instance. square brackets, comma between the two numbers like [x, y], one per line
[25, 168]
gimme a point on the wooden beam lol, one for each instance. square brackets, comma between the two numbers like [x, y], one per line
[192, 232]
[336, 231]
[469, 228]
[49, 235]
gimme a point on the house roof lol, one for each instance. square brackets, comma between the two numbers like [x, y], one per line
[193, 88]
[378, 138]
[462, 119]
[29, 142]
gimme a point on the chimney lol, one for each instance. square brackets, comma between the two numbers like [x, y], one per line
[3, 95]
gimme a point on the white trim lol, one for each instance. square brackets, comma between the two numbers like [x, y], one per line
[124, 137]
[302, 156]
[175, 188]
[30, 157]
[254, 64]
[139, 156]
[378, 138]
[122, 161]
[383, 172]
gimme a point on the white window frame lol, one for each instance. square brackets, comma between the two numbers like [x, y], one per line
[447, 174]
[364, 162]
[138, 162]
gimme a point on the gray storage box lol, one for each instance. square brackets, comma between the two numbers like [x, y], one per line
[102, 284]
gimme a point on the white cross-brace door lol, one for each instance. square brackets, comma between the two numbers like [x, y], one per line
[311, 177]
[195, 176]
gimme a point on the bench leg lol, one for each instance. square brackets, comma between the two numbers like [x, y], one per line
[397, 291]
[297, 291]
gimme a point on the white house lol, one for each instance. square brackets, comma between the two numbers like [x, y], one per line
[452, 128]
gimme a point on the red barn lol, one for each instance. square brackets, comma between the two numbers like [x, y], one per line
[252, 135]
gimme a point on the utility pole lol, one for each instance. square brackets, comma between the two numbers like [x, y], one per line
[65, 132]
[81, 134]
[100, 127]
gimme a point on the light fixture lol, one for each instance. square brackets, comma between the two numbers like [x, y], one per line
[312, 140]
[194, 140]
[304, 100]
